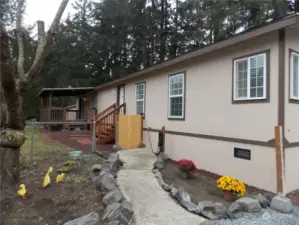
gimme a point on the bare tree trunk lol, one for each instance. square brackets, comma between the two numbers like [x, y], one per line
[12, 123]
[12, 119]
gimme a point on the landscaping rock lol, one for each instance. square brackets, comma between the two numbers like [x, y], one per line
[156, 171]
[182, 195]
[161, 161]
[191, 207]
[105, 155]
[249, 204]
[264, 202]
[111, 211]
[220, 210]
[126, 213]
[96, 167]
[173, 191]
[165, 186]
[89, 219]
[269, 196]
[235, 211]
[107, 183]
[114, 223]
[113, 196]
[96, 179]
[142, 145]
[121, 212]
[116, 147]
[159, 164]
[160, 180]
[206, 206]
[281, 204]
[208, 209]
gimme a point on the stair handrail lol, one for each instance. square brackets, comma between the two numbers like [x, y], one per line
[113, 111]
[95, 117]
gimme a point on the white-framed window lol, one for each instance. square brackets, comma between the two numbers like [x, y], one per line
[294, 76]
[140, 96]
[176, 101]
[250, 77]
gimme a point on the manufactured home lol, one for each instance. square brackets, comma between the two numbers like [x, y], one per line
[221, 103]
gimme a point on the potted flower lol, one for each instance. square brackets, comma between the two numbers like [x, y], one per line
[231, 186]
[187, 167]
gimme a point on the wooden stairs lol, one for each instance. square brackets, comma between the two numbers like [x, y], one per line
[105, 123]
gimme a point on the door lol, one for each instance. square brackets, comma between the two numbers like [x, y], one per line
[121, 95]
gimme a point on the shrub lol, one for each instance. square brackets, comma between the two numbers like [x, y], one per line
[186, 166]
[228, 183]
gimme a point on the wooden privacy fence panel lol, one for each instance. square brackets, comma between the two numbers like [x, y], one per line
[130, 131]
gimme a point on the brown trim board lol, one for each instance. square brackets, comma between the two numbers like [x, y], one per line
[269, 143]
[281, 78]
[247, 101]
[291, 100]
[184, 109]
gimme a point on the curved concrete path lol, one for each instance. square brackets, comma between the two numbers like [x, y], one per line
[151, 204]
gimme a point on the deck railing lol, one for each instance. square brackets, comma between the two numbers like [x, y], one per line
[106, 124]
[52, 114]
[60, 114]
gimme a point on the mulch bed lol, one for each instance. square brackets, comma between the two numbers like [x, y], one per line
[203, 185]
[56, 204]
[65, 137]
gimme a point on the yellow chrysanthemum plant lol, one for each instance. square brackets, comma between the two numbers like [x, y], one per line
[231, 184]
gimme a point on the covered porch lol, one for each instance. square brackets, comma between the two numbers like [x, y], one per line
[79, 110]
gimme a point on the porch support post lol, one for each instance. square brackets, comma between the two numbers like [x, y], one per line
[50, 106]
[94, 145]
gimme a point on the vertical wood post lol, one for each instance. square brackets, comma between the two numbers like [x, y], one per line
[50, 107]
[163, 131]
[141, 128]
[279, 152]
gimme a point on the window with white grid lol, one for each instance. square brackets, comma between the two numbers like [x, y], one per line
[250, 78]
[140, 94]
[294, 76]
[176, 96]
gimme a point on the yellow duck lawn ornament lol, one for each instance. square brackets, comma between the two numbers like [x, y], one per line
[22, 191]
[59, 178]
[47, 179]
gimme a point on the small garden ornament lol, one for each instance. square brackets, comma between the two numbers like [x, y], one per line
[187, 167]
[231, 186]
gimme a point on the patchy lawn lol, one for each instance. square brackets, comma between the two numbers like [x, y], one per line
[200, 187]
[57, 204]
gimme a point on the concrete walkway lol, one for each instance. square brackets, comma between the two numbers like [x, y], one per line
[151, 204]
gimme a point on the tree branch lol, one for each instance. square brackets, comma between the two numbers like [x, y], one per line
[40, 30]
[19, 31]
[44, 43]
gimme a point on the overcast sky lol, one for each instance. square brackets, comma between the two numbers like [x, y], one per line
[44, 10]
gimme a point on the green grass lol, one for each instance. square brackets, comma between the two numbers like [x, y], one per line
[43, 146]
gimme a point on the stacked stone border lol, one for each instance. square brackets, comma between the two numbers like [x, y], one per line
[217, 211]
[118, 210]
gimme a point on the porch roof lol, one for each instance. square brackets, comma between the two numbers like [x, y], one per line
[59, 92]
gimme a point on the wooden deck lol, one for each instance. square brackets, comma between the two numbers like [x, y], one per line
[77, 140]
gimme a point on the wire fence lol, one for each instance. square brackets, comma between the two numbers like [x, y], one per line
[73, 136]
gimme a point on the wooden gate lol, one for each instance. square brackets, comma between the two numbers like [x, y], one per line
[130, 128]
